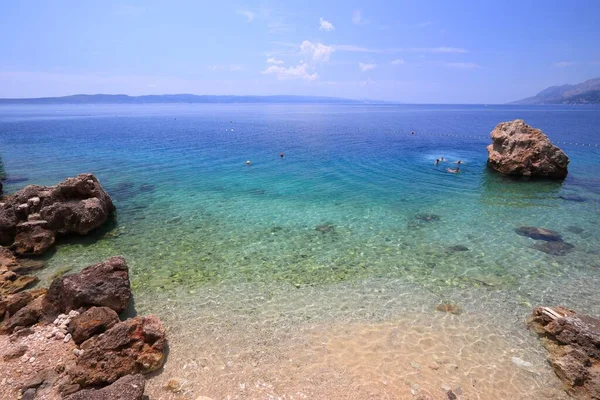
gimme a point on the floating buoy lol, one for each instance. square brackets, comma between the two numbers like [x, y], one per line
[248, 162]
[281, 155]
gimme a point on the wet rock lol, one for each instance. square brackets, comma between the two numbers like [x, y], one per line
[26, 316]
[94, 321]
[458, 247]
[520, 150]
[11, 282]
[136, 345]
[426, 217]
[450, 395]
[539, 233]
[573, 343]
[105, 284]
[15, 179]
[123, 191]
[75, 206]
[130, 387]
[33, 238]
[554, 248]
[325, 228]
[572, 197]
[175, 385]
[449, 308]
[575, 229]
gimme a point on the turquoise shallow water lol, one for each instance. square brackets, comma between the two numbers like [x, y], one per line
[354, 224]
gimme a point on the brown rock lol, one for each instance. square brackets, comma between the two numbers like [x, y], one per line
[130, 387]
[11, 282]
[14, 352]
[17, 301]
[92, 322]
[449, 308]
[573, 341]
[26, 316]
[77, 205]
[33, 238]
[520, 150]
[133, 346]
[105, 284]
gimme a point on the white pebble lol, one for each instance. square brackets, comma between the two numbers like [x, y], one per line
[77, 352]
[32, 359]
[24, 358]
[67, 338]
[59, 336]
[73, 313]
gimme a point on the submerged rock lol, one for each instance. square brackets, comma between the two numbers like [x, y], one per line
[129, 387]
[575, 229]
[426, 217]
[520, 150]
[136, 345]
[554, 248]
[325, 228]
[458, 247]
[449, 308]
[572, 197]
[146, 188]
[32, 217]
[539, 233]
[103, 284]
[573, 341]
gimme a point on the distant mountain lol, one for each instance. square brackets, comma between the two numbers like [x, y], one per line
[587, 92]
[180, 98]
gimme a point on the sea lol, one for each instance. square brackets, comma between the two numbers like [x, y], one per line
[301, 251]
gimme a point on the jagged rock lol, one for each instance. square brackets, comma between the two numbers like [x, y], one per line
[11, 282]
[105, 284]
[573, 341]
[136, 345]
[520, 150]
[325, 228]
[130, 387]
[15, 302]
[554, 248]
[77, 205]
[14, 352]
[92, 322]
[33, 238]
[539, 233]
[26, 316]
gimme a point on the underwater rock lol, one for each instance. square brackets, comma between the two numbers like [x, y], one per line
[136, 345]
[554, 248]
[572, 197]
[539, 233]
[325, 228]
[93, 321]
[520, 150]
[425, 217]
[146, 188]
[103, 284]
[573, 341]
[129, 387]
[15, 179]
[575, 229]
[77, 205]
[449, 308]
[122, 191]
[458, 247]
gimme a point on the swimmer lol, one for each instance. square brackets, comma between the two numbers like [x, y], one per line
[459, 162]
[442, 159]
[281, 155]
[453, 171]
[437, 161]
[412, 133]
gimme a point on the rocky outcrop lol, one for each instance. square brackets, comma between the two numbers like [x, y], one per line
[94, 321]
[134, 346]
[130, 387]
[520, 150]
[573, 341]
[31, 219]
[105, 284]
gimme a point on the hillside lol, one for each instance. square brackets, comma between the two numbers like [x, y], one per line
[587, 92]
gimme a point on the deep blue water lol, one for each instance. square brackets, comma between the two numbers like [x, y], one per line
[190, 211]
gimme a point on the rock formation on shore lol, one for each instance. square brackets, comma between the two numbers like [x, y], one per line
[521, 150]
[573, 341]
[32, 218]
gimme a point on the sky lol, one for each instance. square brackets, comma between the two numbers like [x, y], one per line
[407, 51]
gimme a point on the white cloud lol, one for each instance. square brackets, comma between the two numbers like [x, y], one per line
[248, 14]
[325, 25]
[440, 50]
[366, 67]
[398, 61]
[275, 61]
[298, 72]
[461, 65]
[317, 51]
[564, 64]
[357, 17]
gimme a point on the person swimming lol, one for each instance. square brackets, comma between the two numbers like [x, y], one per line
[442, 159]
[281, 155]
[437, 161]
[459, 162]
[452, 170]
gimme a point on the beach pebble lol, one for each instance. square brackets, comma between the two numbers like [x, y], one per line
[31, 359]
[67, 338]
[59, 336]
[77, 352]
[24, 358]
[73, 314]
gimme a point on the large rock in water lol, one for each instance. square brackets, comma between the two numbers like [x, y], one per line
[520, 150]
[134, 346]
[105, 284]
[573, 341]
[32, 217]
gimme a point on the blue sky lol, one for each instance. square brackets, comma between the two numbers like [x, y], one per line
[410, 51]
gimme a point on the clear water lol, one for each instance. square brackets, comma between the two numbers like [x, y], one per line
[339, 212]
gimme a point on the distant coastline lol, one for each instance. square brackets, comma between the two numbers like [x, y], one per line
[183, 98]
